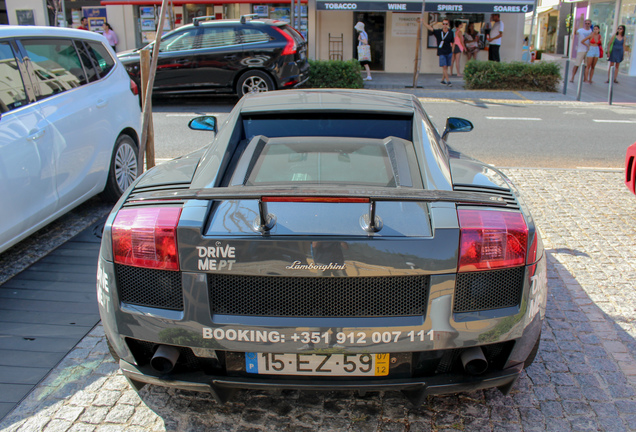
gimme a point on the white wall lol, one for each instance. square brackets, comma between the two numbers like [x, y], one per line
[125, 26]
[38, 7]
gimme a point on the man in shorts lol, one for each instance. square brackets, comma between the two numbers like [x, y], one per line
[445, 45]
[581, 49]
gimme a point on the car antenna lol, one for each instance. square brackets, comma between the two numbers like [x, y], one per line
[196, 20]
[245, 17]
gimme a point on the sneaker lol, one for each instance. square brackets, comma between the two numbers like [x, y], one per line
[368, 78]
[449, 84]
[444, 82]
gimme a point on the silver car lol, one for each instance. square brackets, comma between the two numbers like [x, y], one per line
[326, 239]
[70, 124]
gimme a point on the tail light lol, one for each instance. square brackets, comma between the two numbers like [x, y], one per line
[134, 88]
[491, 239]
[290, 47]
[147, 237]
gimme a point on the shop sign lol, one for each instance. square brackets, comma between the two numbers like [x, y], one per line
[466, 6]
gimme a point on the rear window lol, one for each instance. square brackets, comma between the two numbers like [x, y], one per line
[324, 124]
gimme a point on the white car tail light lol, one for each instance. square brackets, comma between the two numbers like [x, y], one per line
[147, 237]
[491, 239]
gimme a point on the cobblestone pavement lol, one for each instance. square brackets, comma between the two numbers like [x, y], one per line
[584, 378]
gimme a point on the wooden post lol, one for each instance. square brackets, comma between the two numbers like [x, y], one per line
[147, 105]
[144, 62]
[418, 47]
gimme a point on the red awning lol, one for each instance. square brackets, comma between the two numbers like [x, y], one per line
[183, 2]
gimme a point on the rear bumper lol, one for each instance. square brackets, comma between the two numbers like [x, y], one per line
[415, 389]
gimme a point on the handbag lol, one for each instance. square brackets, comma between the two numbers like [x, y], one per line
[364, 52]
[600, 51]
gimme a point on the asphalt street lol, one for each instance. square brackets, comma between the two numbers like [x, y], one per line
[518, 134]
[584, 378]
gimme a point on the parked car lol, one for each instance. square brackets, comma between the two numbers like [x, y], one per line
[69, 125]
[226, 56]
[326, 239]
[630, 168]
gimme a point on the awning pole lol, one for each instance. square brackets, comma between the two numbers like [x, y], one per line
[418, 47]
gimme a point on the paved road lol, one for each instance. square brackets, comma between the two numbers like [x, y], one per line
[560, 134]
[584, 377]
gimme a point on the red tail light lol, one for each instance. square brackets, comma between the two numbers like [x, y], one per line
[491, 239]
[147, 237]
[290, 48]
[134, 88]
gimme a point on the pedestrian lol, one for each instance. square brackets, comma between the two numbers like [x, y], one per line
[111, 36]
[594, 43]
[471, 42]
[616, 51]
[445, 45]
[459, 47]
[364, 49]
[496, 32]
[581, 49]
[83, 24]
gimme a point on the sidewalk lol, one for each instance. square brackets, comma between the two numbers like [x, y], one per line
[429, 86]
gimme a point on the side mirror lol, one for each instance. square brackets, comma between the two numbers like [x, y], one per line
[456, 124]
[204, 123]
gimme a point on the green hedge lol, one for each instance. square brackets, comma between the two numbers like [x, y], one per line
[543, 76]
[334, 74]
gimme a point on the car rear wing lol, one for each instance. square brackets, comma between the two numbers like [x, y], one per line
[323, 195]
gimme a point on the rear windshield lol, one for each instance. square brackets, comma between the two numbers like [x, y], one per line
[324, 124]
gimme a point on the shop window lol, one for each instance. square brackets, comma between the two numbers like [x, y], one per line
[12, 93]
[249, 35]
[55, 65]
[214, 37]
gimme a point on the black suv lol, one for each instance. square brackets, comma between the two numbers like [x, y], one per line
[226, 56]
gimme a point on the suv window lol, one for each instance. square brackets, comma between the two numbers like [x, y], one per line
[56, 66]
[179, 41]
[217, 37]
[250, 35]
[102, 60]
[12, 93]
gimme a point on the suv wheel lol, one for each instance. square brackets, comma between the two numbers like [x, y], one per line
[254, 82]
[124, 168]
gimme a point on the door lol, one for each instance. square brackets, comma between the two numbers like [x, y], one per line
[218, 57]
[374, 25]
[27, 170]
[177, 55]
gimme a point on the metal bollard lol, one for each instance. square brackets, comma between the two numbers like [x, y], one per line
[565, 80]
[610, 89]
[578, 91]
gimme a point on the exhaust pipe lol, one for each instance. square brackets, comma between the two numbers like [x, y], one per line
[165, 358]
[474, 361]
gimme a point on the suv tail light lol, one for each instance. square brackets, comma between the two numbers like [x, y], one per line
[290, 47]
[134, 88]
[491, 239]
[147, 237]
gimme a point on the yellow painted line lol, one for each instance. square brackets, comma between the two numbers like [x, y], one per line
[520, 95]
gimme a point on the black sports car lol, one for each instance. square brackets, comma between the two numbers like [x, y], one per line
[226, 56]
[326, 239]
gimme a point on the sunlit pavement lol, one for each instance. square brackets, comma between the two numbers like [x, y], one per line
[584, 377]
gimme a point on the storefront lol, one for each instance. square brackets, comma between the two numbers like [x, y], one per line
[392, 29]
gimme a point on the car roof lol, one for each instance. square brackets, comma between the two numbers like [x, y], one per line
[328, 99]
[7, 31]
[258, 21]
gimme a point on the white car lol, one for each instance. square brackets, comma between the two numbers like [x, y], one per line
[70, 125]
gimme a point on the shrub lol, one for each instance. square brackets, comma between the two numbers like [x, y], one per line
[543, 76]
[334, 74]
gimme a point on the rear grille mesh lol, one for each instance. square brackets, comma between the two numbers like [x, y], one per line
[318, 296]
[149, 287]
[478, 291]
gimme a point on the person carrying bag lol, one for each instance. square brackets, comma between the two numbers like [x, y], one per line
[364, 49]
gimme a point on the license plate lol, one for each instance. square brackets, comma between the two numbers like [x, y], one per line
[317, 364]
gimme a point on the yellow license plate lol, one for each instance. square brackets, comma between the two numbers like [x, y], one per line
[317, 364]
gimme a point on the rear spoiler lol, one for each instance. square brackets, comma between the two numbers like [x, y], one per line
[324, 194]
